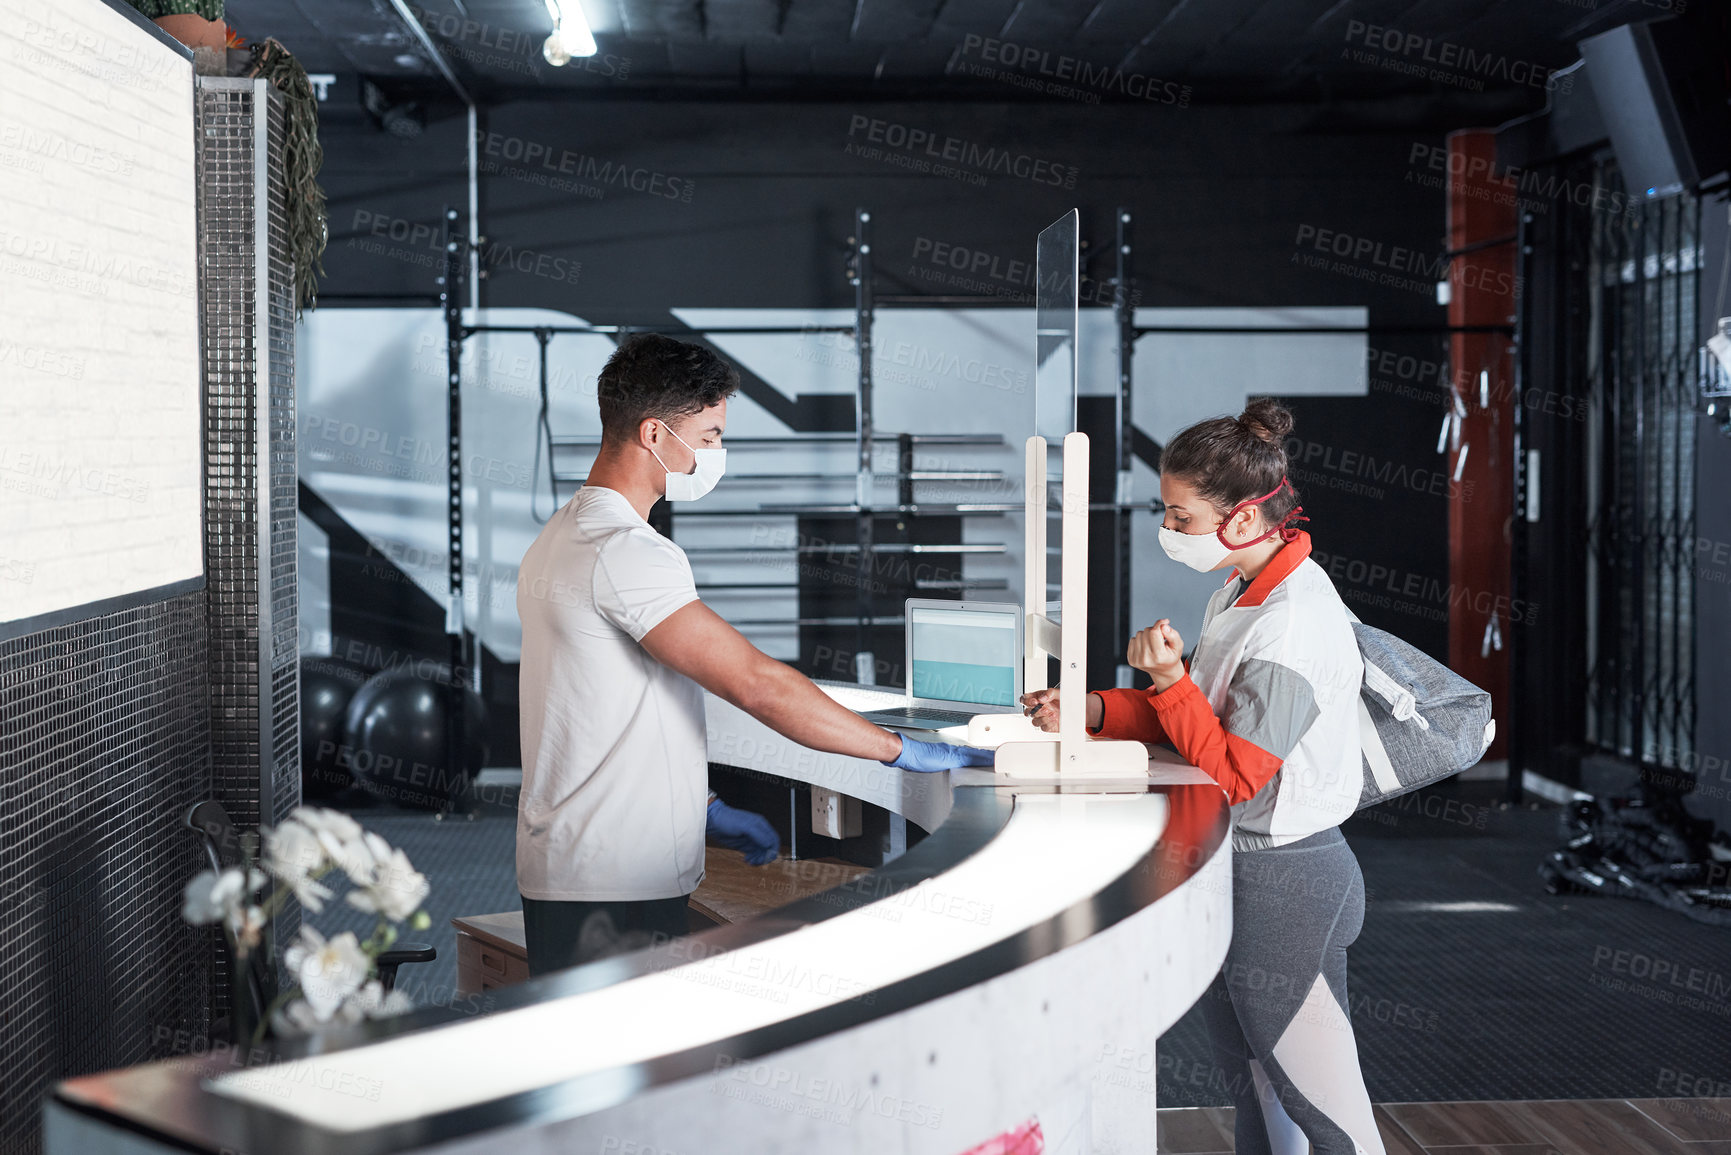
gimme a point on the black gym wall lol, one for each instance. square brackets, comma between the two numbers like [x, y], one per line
[105, 742]
[748, 204]
[1712, 795]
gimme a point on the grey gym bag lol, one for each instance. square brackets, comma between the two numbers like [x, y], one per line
[1418, 720]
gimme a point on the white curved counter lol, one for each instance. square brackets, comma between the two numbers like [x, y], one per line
[1019, 962]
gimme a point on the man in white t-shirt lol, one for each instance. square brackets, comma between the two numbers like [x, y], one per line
[617, 650]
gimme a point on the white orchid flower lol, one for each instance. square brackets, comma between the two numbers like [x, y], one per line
[335, 830]
[291, 850]
[328, 971]
[295, 1018]
[333, 826]
[375, 1002]
[394, 889]
[213, 897]
[294, 854]
[226, 897]
[363, 857]
[370, 1002]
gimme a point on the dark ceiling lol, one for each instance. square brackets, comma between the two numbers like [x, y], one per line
[1222, 51]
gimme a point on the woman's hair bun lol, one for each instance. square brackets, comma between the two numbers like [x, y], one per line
[1268, 419]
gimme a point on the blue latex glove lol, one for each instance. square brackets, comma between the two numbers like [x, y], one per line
[926, 757]
[745, 831]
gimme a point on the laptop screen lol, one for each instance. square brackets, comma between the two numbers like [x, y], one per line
[963, 655]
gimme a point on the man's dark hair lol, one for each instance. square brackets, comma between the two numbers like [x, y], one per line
[650, 375]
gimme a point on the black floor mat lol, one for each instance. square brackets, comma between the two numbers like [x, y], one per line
[1456, 997]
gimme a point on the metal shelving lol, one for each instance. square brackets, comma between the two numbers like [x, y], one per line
[867, 503]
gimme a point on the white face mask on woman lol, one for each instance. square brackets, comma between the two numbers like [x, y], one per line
[1200, 551]
[1206, 551]
[709, 466]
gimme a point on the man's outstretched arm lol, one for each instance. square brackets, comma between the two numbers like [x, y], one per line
[696, 641]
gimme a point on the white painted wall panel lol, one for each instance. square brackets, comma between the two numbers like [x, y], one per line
[100, 488]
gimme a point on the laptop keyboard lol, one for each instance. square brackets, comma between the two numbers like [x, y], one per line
[926, 714]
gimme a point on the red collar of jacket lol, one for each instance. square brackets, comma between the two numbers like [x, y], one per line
[1274, 572]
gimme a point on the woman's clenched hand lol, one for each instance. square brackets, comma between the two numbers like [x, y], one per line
[1158, 651]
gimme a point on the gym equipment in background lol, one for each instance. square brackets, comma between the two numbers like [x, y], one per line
[327, 686]
[395, 738]
[1643, 844]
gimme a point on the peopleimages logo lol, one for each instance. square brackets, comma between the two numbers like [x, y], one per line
[430, 240]
[1043, 70]
[40, 142]
[83, 268]
[1445, 61]
[545, 166]
[1366, 249]
[926, 147]
[1524, 188]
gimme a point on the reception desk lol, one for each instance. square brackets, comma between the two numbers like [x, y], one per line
[1018, 962]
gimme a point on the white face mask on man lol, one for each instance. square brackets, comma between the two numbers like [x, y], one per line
[706, 471]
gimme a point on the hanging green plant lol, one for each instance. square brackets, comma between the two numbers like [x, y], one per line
[209, 9]
[151, 9]
[302, 156]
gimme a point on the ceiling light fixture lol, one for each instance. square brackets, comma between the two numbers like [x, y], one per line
[570, 36]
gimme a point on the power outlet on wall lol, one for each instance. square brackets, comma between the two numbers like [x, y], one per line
[835, 815]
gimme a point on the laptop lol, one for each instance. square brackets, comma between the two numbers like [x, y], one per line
[963, 659]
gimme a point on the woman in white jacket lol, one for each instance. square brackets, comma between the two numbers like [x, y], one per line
[1268, 708]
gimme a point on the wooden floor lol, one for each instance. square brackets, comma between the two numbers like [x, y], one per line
[1566, 1127]
[732, 891]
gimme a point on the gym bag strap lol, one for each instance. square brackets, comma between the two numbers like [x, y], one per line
[1418, 720]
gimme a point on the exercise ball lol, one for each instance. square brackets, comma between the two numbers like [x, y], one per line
[327, 684]
[394, 739]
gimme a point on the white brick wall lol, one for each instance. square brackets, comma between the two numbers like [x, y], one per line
[99, 373]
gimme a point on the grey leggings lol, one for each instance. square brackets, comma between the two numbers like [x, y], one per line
[1278, 1011]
